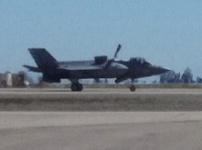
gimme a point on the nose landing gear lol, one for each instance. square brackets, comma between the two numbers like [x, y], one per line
[132, 87]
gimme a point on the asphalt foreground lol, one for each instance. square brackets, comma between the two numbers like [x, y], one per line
[100, 130]
[110, 122]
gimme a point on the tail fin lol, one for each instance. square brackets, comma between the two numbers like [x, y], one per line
[43, 58]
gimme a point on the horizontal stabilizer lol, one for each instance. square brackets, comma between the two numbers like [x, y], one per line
[43, 58]
[34, 69]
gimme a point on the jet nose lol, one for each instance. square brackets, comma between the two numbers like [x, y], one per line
[155, 70]
[160, 70]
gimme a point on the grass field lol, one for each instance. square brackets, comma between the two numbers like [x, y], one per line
[171, 86]
[103, 100]
[139, 86]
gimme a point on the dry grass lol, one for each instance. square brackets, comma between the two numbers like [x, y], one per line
[101, 102]
[145, 86]
[140, 86]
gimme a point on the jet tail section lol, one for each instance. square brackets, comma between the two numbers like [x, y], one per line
[43, 58]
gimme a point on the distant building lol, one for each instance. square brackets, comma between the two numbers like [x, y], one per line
[12, 80]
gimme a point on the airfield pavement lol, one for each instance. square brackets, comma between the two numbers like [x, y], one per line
[110, 122]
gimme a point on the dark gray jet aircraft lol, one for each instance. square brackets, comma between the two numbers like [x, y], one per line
[100, 67]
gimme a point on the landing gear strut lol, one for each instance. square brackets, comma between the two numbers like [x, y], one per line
[76, 87]
[132, 87]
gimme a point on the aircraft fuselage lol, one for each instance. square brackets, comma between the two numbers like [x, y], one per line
[100, 67]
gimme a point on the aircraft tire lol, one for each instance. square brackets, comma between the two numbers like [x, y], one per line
[132, 88]
[80, 87]
[76, 87]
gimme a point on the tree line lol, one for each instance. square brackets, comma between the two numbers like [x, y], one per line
[173, 77]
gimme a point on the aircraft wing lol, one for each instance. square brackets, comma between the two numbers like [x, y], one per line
[89, 65]
[79, 65]
[81, 68]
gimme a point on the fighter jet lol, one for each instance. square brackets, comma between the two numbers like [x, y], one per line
[100, 67]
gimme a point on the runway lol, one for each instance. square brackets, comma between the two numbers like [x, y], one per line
[101, 119]
[100, 130]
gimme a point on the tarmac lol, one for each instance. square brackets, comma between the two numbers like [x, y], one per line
[132, 130]
[100, 130]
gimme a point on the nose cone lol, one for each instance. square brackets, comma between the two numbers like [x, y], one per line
[162, 70]
[158, 70]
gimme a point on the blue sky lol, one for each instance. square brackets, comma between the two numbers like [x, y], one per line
[166, 33]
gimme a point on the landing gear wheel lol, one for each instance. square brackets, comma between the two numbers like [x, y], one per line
[74, 87]
[80, 87]
[77, 87]
[132, 88]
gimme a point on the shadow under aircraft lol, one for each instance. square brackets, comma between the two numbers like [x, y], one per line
[100, 67]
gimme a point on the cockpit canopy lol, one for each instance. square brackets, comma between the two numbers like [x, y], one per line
[139, 61]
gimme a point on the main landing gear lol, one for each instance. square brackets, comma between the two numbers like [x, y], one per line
[76, 86]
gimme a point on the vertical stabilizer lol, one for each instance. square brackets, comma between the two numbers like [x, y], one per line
[43, 58]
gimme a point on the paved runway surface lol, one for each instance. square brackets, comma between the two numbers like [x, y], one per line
[100, 130]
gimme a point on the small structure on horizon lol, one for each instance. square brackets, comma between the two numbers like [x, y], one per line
[9, 79]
